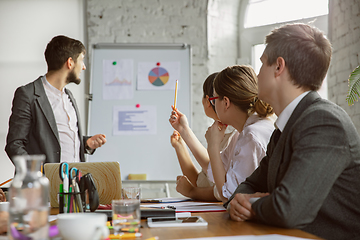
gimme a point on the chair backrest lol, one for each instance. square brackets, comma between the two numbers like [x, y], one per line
[106, 176]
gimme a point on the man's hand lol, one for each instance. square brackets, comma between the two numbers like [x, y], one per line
[2, 196]
[184, 186]
[4, 218]
[240, 206]
[96, 141]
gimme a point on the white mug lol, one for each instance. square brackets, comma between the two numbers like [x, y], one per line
[4, 206]
[86, 226]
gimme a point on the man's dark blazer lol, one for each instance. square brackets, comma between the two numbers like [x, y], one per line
[32, 125]
[312, 173]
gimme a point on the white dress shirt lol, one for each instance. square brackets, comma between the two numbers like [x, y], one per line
[244, 152]
[66, 122]
[286, 113]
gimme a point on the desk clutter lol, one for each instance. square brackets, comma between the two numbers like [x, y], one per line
[106, 177]
[81, 215]
[77, 193]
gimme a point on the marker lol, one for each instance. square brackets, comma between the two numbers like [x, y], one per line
[125, 235]
[61, 198]
[176, 86]
[69, 205]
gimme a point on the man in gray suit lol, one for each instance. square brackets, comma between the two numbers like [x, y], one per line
[310, 176]
[45, 118]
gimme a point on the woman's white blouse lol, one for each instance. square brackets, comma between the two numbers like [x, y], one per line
[244, 152]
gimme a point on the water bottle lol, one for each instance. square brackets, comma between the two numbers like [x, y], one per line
[29, 197]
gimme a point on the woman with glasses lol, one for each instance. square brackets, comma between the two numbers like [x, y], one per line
[199, 151]
[236, 104]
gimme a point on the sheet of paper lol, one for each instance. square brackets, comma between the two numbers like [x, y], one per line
[132, 120]
[118, 79]
[251, 237]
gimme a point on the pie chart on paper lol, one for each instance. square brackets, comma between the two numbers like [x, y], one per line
[158, 76]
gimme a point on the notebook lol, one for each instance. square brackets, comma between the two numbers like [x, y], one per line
[106, 176]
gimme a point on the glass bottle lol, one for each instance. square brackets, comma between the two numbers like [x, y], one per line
[29, 197]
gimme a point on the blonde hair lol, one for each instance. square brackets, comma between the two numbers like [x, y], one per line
[239, 84]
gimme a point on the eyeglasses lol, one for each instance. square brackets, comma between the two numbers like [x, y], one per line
[212, 100]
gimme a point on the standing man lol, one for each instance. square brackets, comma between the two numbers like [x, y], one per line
[310, 176]
[45, 118]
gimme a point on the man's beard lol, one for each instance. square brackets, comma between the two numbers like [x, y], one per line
[71, 78]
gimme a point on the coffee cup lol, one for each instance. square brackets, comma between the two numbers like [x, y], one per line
[75, 226]
[4, 206]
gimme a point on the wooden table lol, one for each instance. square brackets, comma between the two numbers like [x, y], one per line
[219, 224]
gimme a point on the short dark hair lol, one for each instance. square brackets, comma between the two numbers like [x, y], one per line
[306, 51]
[59, 49]
[208, 86]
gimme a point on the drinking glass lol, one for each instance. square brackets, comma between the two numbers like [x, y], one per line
[130, 193]
[126, 215]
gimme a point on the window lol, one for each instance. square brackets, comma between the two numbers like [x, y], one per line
[265, 12]
[260, 17]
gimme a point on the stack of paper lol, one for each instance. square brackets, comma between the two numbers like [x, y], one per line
[188, 206]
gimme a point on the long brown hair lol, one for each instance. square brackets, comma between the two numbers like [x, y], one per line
[239, 84]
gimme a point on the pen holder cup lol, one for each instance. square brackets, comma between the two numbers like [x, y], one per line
[72, 202]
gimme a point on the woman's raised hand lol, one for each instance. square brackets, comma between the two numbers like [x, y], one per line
[178, 120]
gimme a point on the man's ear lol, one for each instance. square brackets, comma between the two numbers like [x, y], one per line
[69, 63]
[279, 66]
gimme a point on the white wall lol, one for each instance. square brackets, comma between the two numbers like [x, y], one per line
[26, 26]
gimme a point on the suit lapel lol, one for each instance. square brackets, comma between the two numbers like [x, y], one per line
[277, 156]
[45, 106]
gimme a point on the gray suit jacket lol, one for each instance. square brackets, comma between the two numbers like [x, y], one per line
[32, 125]
[312, 173]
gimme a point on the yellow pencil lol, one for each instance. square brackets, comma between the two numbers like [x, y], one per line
[5, 182]
[176, 86]
[125, 236]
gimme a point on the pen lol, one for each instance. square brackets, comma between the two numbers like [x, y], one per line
[125, 235]
[176, 86]
[151, 201]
